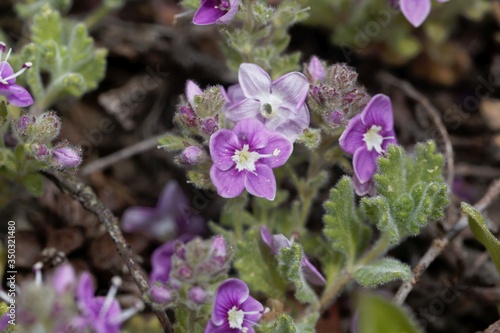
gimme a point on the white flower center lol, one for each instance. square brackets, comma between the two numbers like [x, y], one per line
[269, 105]
[373, 139]
[235, 318]
[245, 160]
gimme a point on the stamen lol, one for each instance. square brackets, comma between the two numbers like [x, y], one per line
[5, 61]
[3, 47]
[26, 66]
[116, 282]
[129, 313]
[38, 273]
[276, 152]
[4, 297]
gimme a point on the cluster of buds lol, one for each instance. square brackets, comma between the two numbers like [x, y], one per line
[198, 113]
[334, 92]
[193, 268]
[37, 134]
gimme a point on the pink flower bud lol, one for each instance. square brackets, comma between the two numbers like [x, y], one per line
[191, 155]
[336, 118]
[219, 246]
[210, 126]
[40, 151]
[161, 295]
[66, 157]
[197, 295]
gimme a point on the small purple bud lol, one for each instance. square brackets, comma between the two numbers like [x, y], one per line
[66, 157]
[23, 122]
[188, 116]
[316, 70]
[191, 155]
[219, 246]
[336, 118]
[197, 295]
[192, 90]
[185, 272]
[40, 151]
[161, 295]
[210, 126]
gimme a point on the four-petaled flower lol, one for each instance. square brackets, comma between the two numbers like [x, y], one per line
[244, 158]
[279, 104]
[367, 136]
[416, 11]
[216, 11]
[234, 310]
[278, 242]
[15, 94]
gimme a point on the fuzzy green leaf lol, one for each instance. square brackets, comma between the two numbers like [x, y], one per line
[412, 191]
[8, 159]
[257, 266]
[31, 7]
[171, 143]
[33, 183]
[283, 324]
[376, 315]
[343, 224]
[480, 230]
[382, 272]
[290, 267]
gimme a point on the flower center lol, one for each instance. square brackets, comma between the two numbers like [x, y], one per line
[223, 5]
[4, 80]
[235, 318]
[244, 159]
[269, 106]
[373, 139]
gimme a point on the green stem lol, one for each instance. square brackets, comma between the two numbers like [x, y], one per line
[97, 15]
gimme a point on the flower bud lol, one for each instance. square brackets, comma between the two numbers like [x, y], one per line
[185, 272]
[40, 151]
[210, 126]
[198, 295]
[66, 157]
[47, 127]
[336, 118]
[191, 155]
[161, 295]
[187, 116]
[219, 246]
[316, 70]
[22, 124]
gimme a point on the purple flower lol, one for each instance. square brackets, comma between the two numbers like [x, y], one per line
[15, 94]
[66, 157]
[367, 136]
[278, 104]
[416, 11]
[161, 262]
[316, 70]
[216, 11]
[244, 158]
[234, 310]
[172, 215]
[364, 188]
[278, 242]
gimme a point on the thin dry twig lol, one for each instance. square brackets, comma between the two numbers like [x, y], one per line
[86, 196]
[122, 154]
[433, 113]
[438, 245]
[480, 171]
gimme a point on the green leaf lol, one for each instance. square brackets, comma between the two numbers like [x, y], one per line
[33, 183]
[171, 143]
[8, 159]
[412, 191]
[377, 315]
[382, 272]
[283, 324]
[290, 267]
[257, 266]
[343, 224]
[480, 230]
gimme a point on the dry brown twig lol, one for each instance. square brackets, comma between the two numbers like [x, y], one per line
[89, 200]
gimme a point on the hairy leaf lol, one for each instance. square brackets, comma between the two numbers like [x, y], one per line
[382, 272]
[283, 324]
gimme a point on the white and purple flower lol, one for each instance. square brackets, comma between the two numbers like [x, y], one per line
[244, 158]
[15, 94]
[234, 310]
[216, 11]
[416, 11]
[367, 136]
[279, 104]
[278, 242]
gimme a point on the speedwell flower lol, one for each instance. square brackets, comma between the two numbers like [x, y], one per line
[278, 242]
[15, 94]
[279, 104]
[244, 158]
[416, 11]
[216, 11]
[234, 310]
[367, 136]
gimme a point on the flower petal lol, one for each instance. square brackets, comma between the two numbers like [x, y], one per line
[365, 188]
[295, 125]
[311, 273]
[137, 218]
[7, 71]
[365, 164]
[17, 95]
[253, 133]
[416, 11]
[244, 109]
[352, 138]
[316, 69]
[391, 141]
[64, 278]
[265, 235]
[229, 183]
[192, 90]
[85, 288]
[233, 9]
[212, 328]
[255, 308]
[254, 81]
[207, 13]
[261, 183]
[235, 93]
[161, 262]
[378, 112]
[292, 88]
[223, 144]
[276, 143]
[281, 242]
[232, 292]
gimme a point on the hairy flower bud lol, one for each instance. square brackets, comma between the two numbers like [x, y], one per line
[198, 295]
[66, 157]
[192, 155]
[161, 295]
[40, 151]
[46, 128]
